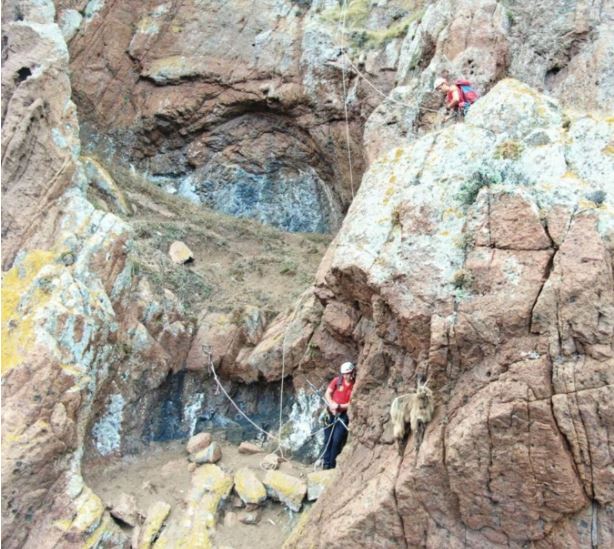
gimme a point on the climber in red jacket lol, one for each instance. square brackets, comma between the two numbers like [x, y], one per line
[459, 96]
[337, 398]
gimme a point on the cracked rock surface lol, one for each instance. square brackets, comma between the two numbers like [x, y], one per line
[488, 269]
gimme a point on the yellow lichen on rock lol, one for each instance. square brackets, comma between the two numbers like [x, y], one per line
[107, 529]
[318, 481]
[156, 516]
[90, 510]
[18, 325]
[249, 488]
[210, 485]
[298, 533]
[288, 489]
[210, 478]
[199, 537]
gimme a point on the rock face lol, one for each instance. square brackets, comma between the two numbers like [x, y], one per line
[486, 40]
[39, 128]
[483, 262]
[82, 335]
[478, 255]
[247, 118]
[250, 117]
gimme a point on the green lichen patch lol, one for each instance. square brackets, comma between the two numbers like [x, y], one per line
[509, 150]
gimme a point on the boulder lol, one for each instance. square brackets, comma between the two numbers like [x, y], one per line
[180, 253]
[209, 487]
[249, 488]
[271, 462]
[249, 448]
[125, 509]
[210, 479]
[289, 490]
[211, 454]
[318, 481]
[198, 442]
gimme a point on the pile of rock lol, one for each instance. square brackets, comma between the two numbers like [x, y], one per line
[247, 490]
[251, 491]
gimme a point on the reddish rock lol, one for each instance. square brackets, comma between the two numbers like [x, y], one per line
[126, 509]
[249, 448]
[198, 442]
[511, 324]
[211, 454]
[340, 318]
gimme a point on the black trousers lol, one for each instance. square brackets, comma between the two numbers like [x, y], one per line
[335, 436]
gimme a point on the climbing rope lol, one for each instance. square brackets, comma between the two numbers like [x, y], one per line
[283, 375]
[246, 417]
[386, 97]
[345, 107]
[237, 407]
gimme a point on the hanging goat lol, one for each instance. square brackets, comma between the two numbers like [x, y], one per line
[400, 414]
[415, 409]
[421, 412]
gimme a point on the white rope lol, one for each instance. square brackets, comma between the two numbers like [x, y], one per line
[337, 419]
[345, 106]
[281, 388]
[315, 463]
[230, 398]
[237, 407]
[317, 392]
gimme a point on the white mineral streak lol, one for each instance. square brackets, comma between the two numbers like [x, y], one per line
[107, 431]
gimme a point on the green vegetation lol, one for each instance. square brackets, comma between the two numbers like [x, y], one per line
[466, 241]
[354, 15]
[470, 189]
[237, 262]
[462, 279]
[288, 267]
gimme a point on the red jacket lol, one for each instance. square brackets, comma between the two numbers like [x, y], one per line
[340, 392]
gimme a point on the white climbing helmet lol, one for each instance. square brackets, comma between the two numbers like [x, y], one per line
[347, 368]
[438, 82]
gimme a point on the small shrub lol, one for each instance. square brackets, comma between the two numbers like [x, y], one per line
[466, 241]
[462, 279]
[469, 190]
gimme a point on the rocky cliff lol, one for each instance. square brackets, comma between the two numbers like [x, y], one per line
[476, 254]
[482, 261]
